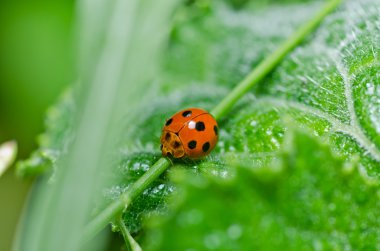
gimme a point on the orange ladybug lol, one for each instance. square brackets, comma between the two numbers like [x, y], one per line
[191, 133]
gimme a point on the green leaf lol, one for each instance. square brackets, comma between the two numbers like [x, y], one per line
[54, 142]
[329, 87]
[316, 196]
[316, 201]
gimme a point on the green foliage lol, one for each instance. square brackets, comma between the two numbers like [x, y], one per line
[287, 191]
[313, 200]
[55, 141]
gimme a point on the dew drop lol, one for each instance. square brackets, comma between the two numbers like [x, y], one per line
[317, 245]
[190, 217]
[331, 206]
[161, 186]
[212, 241]
[370, 89]
[253, 123]
[234, 231]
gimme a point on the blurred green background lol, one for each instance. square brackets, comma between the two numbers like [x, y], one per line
[36, 63]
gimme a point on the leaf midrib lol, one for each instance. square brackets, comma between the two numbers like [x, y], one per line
[337, 125]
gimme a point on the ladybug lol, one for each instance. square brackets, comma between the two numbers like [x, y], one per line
[191, 133]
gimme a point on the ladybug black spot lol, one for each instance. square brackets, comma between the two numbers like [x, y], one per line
[168, 122]
[205, 147]
[186, 114]
[192, 144]
[176, 144]
[200, 126]
[167, 136]
[216, 130]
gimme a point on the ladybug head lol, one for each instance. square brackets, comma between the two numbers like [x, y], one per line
[171, 145]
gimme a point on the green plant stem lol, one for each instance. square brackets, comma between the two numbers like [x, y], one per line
[102, 219]
[131, 244]
[219, 111]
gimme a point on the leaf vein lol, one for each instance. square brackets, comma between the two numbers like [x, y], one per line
[356, 130]
[337, 125]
